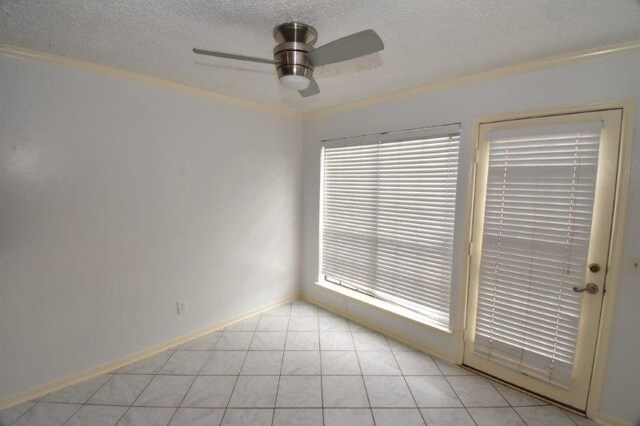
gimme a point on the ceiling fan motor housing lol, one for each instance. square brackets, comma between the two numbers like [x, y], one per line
[295, 41]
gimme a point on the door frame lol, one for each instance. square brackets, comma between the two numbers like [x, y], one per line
[628, 107]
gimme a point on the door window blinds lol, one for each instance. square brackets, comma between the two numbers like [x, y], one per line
[535, 241]
[388, 204]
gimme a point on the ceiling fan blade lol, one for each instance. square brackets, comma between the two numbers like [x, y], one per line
[349, 47]
[232, 56]
[313, 89]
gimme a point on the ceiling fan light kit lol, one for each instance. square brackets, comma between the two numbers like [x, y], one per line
[295, 41]
[295, 82]
[295, 56]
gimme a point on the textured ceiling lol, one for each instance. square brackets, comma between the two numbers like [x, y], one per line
[426, 41]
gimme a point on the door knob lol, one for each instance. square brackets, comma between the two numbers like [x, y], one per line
[589, 288]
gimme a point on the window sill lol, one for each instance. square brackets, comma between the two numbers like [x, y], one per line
[385, 306]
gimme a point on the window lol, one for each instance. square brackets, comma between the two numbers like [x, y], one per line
[387, 217]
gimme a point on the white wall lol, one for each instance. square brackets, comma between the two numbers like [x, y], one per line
[117, 200]
[596, 80]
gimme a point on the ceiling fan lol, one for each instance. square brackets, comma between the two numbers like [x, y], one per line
[295, 57]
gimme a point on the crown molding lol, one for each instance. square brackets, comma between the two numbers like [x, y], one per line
[7, 49]
[548, 62]
[522, 67]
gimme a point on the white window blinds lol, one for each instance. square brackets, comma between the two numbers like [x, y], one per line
[388, 206]
[535, 240]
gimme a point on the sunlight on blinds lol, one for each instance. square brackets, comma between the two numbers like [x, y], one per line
[537, 224]
[387, 217]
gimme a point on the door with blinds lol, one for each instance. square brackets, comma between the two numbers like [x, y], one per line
[541, 234]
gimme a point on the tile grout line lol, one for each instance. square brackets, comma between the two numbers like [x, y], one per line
[503, 397]
[286, 335]
[173, 352]
[303, 407]
[73, 414]
[82, 404]
[454, 391]
[111, 378]
[238, 376]
[390, 407]
[25, 412]
[294, 350]
[287, 408]
[366, 392]
[88, 399]
[194, 379]
[175, 349]
[514, 407]
[321, 381]
[393, 354]
[458, 396]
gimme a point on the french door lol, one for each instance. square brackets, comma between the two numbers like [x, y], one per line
[543, 210]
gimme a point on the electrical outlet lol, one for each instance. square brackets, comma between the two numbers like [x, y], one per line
[182, 307]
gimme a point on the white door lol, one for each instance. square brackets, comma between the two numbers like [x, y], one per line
[542, 220]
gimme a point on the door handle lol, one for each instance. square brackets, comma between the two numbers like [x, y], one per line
[589, 288]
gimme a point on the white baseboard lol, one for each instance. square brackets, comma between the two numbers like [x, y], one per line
[41, 390]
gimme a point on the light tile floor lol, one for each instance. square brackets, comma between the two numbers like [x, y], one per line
[294, 365]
